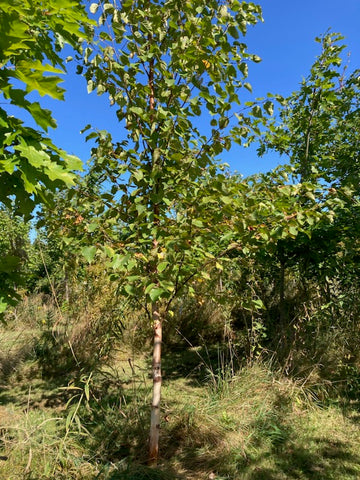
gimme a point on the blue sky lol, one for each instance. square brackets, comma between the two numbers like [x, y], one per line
[285, 42]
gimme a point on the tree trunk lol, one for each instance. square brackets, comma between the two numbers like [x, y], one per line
[155, 404]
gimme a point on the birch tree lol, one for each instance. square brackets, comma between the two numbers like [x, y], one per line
[164, 64]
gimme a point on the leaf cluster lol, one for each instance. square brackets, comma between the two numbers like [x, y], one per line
[32, 37]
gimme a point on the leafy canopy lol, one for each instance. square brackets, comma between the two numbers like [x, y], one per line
[31, 39]
[319, 124]
[156, 195]
[32, 36]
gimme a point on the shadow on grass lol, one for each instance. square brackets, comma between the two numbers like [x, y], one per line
[142, 472]
[197, 364]
[325, 459]
[192, 445]
[276, 450]
[22, 382]
[34, 393]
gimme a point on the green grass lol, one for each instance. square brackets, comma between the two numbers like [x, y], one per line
[252, 426]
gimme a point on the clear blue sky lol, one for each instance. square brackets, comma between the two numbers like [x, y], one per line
[285, 42]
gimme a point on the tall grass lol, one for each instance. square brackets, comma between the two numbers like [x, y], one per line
[222, 418]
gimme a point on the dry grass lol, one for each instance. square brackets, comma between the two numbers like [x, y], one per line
[251, 426]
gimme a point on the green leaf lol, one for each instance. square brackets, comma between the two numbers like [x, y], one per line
[161, 267]
[58, 172]
[269, 107]
[42, 116]
[36, 156]
[32, 75]
[227, 200]
[89, 253]
[137, 110]
[156, 293]
[72, 161]
[248, 86]
[234, 32]
[258, 304]
[293, 231]
[131, 264]
[256, 111]
[109, 251]
[197, 223]
[131, 290]
[149, 288]
[118, 261]
[92, 227]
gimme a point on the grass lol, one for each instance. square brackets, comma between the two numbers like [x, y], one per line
[251, 426]
[266, 428]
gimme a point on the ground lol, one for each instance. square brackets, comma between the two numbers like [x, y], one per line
[248, 424]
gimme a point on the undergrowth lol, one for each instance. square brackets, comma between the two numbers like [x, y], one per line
[255, 424]
[221, 418]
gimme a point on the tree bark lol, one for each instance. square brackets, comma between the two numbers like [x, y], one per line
[157, 380]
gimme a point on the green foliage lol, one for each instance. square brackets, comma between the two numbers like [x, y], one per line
[32, 37]
[85, 331]
[17, 257]
[309, 278]
[265, 265]
[157, 199]
[318, 128]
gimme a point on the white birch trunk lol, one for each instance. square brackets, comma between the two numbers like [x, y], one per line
[156, 396]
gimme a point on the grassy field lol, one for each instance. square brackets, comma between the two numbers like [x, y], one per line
[255, 424]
